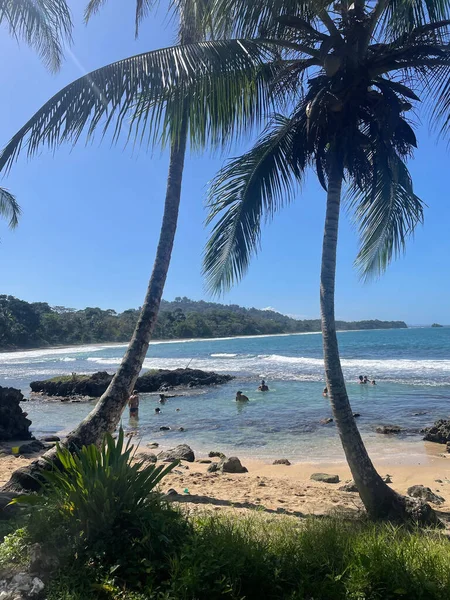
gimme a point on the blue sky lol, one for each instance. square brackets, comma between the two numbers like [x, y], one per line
[91, 215]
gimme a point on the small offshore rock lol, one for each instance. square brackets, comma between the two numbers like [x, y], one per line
[356, 415]
[350, 486]
[232, 465]
[281, 461]
[326, 421]
[50, 438]
[325, 478]
[181, 452]
[216, 455]
[424, 493]
[388, 429]
[31, 447]
[164, 428]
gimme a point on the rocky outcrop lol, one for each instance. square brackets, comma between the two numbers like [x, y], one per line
[281, 461]
[325, 477]
[388, 429]
[152, 381]
[439, 432]
[227, 465]
[350, 486]
[425, 493]
[181, 452]
[14, 424]
[21, 587]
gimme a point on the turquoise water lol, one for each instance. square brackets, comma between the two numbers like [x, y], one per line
[411, 366]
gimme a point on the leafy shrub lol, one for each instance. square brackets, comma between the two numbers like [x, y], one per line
[14, 549]
[104, 507]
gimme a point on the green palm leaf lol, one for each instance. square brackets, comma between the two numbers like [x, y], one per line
[248, 189]
[9, 209]
[109, 95]
[386, 214]
[43, 24]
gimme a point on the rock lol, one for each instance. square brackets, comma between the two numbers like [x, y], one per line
[153, 445]
[325, 477]
[152, 381]
[20, 587]
[420, 413]
[439, 432]
[164, 428]
[213, 467]
[326, 421]
[204, 461]
[350, 486]
[171, 492]
[7, 511]
[448, 447]
[281, 461]
[31, 447]
[232, 465]
[181, 452]
[14, 424]
[388, 429]
[50, 438]
[146, 458]
[356, 415]
[41, 561]
[216, 455]
[387, 479]
[424, 493]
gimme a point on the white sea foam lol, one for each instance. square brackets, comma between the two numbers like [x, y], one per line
[223, 355]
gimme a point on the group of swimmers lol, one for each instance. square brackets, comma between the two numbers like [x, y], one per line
[133, 403]
[263, 387]
[362, 380]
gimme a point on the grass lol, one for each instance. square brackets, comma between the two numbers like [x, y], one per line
[65, 378]
[255, 557]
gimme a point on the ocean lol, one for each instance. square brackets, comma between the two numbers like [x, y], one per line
[411, 368]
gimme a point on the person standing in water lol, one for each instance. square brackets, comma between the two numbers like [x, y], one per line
[133, 404]
[263, 387]
[240, 397]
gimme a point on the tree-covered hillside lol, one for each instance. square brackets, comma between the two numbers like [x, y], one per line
[36, 324]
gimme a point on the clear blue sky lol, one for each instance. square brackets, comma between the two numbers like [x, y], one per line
[91, 215]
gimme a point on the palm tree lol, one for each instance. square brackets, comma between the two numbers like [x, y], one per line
[43, 25]
[347, 74]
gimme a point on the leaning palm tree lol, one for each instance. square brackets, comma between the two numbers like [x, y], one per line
[43, 25]
[347, 74]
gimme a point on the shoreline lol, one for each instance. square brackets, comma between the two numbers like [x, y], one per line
[186, 340]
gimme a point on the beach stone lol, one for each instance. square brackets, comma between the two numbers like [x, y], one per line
[181, 452]
[388, 429]
[439, 432]
[204, 461]
[216, 455]
[387, 479]
[425, 493]
[326, 421]
[213, 467]
[153, 445]
[14, 424]
[171, 492]
[232, 465]
[146, 458]
[281, 461]
[325, 477]
[350, 486]
[31, 447]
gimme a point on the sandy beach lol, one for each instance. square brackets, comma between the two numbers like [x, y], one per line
[281, 489]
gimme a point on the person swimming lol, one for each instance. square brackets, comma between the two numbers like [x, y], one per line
[374, 382]
[366, 380]
[325, 392]
[162, 399]
[133, 404]
[157, 410]
[240, 397]
[263, 387]
[361, 379]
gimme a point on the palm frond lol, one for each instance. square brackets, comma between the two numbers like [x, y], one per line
[9, 208]
[386, 214]
[143, 7]
[44, 24]
[104, 98]
[403, 16]
[247, 190]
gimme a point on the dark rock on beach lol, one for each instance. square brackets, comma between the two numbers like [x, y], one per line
[152, 381]
[281, 461]
[213, 454]
[325, 477]
[13, 421]
[439, 432]
[181, 452]
[232, 465]
[31, 447]
[350, 486]
[388, 429]
[425, 493]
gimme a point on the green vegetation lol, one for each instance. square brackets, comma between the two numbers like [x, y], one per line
[32, 325]
[437, 325]
[115, 538]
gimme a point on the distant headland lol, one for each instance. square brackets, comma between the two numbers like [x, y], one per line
[39, 325]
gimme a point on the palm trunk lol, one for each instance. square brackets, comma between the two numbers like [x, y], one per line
[108, 411]
[378, 498]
